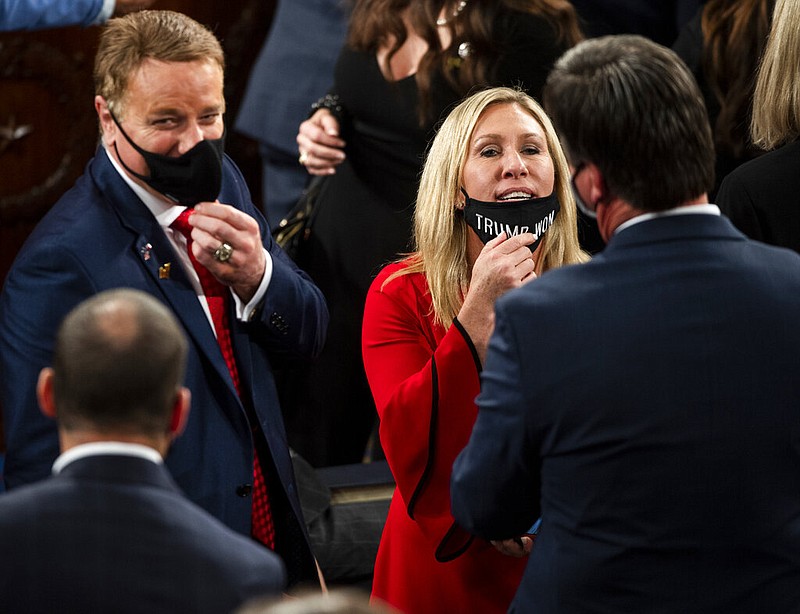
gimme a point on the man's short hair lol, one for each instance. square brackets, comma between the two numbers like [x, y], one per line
[632, 107]
[128, 41]
[118, 363]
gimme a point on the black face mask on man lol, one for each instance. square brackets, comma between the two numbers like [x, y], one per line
[534, 215]
[191, 178]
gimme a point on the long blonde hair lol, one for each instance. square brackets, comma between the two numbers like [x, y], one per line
[776, 100]
[440, 234]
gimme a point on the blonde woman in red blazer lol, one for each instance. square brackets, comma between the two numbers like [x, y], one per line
[426, 325]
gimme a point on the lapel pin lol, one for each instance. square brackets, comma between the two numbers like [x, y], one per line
[163, 270]
[145, 251]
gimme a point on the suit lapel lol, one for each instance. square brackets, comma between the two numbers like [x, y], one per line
[154, 252]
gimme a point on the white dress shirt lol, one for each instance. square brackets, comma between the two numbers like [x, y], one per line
[165, 211]
[684, 210]
[105, 448]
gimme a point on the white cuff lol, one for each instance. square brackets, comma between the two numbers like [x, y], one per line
[245, 311]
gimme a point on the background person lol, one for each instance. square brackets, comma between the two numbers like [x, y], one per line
[404, 64]
[110, 530]
[427, 321]
[161, 209]
[642, 403]
[44, 14]
[293, 69]
[659, 21]
[760, 197]
[722, 45]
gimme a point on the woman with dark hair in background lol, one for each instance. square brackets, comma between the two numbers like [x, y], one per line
[722, 46]
[404, 64]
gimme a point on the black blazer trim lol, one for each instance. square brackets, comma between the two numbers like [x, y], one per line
[442, 554]
[423, 480]
[470, 345]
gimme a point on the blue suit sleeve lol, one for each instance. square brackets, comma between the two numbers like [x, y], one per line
[294, 309]
[43, 14]
[495, 483]
[29, 319]
[292, 320]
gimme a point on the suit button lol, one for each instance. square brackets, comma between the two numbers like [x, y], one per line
[278, 322]
[244, 490]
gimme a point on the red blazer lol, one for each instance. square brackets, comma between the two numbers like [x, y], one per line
[425, 380]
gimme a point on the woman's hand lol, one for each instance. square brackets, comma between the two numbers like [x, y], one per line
[319, 143]
[503, 264]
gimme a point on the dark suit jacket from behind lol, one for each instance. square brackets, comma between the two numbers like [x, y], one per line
[760, 197]
[101, 236]
[646, 405]
[114, 534]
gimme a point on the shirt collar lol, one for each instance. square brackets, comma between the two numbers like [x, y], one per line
[163, 209]
[706, 209]
[98, 448]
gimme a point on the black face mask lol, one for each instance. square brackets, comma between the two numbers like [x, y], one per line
[534, 215]
[194, 177]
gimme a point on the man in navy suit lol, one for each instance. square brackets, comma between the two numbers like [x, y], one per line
[644, 404]
[160, 172]
[110, 531]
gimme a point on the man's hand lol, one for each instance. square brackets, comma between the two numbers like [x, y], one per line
[214, 224]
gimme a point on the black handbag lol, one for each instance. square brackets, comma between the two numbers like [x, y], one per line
[293, 231]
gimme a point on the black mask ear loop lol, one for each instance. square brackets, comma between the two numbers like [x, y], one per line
[141, 151]
[466, 198]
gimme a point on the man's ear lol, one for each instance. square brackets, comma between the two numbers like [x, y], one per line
[106, 122]
[598, 190]
[180, 411]
[44, 393]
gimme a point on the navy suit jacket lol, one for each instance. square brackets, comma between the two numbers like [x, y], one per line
[646, 405]
[113, 534]
[293, 69]
[101, 236]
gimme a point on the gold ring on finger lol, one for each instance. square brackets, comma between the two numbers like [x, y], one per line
[224, 252]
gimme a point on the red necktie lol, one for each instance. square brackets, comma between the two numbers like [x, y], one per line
[216, 293]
